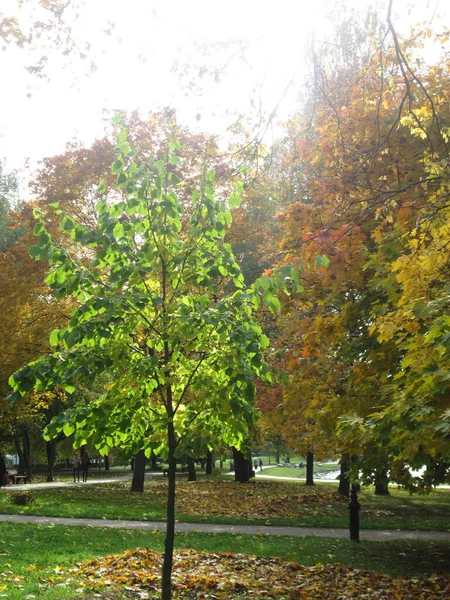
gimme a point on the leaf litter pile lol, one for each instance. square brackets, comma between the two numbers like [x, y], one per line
[211, 576]
[261, 501]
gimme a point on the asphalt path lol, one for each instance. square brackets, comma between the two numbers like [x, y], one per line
[365, 534]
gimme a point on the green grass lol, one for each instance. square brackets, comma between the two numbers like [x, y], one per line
[30, 553]
[115, 501]
[298, 473]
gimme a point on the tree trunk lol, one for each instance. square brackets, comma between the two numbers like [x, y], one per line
[106, 462]
[209, 463]
[137, 485]
[153, 461]
[170, 521]
[192, 475]
[310, 468]
[382, 483]
[344, 480]
[50, 448]
[23, 449]
[242, 467]
[277, 458]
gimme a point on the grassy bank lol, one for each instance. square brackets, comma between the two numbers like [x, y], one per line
[276, 503]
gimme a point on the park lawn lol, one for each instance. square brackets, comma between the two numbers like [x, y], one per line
[220, 501]
[299, 472]
[35, 560]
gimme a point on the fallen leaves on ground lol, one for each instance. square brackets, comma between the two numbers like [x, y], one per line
[260, 501]
[256, 500]
[201, 575]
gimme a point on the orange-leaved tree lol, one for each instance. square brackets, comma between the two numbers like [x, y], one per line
[374, 201]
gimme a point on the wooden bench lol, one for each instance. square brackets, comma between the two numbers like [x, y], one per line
[17, 479]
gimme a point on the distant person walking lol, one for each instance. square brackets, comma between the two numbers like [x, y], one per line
[260, 463]
[2, 471]
[76, 462]
[85, 463]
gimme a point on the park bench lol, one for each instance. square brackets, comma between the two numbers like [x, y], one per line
[17, 479]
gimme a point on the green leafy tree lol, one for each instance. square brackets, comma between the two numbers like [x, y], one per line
[149, 279]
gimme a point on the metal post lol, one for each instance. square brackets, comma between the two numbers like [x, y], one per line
[354, 507]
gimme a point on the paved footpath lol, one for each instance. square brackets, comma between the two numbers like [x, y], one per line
[365, 534]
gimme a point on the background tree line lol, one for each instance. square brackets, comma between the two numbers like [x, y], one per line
[360, 175]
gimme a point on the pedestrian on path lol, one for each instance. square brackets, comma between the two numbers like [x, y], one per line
[85, 462]
[76, 462]
[260, 463]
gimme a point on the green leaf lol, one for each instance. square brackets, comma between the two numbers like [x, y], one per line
[322, 261]
[101, 188]
[116, 166]
[43, 238]
[67, 223]
[118, 119]
[124, 148]
[68, 429]
[54, 337]
[234, 201]
[35, 252]
[253, 347]
[118, 231]
[273, 302]
[264, 341]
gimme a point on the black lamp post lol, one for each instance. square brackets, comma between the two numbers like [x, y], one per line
[354, 507]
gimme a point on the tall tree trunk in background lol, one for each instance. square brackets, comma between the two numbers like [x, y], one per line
[137, 484]
[23, 449]
[382, 483]
[310, 468]
[106, 457]
[192, 475]
[344, 480]
[50, 448]
[242, 467]
[153, 462]
[209, 463]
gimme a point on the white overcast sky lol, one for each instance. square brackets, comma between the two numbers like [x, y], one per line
[135, 66]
